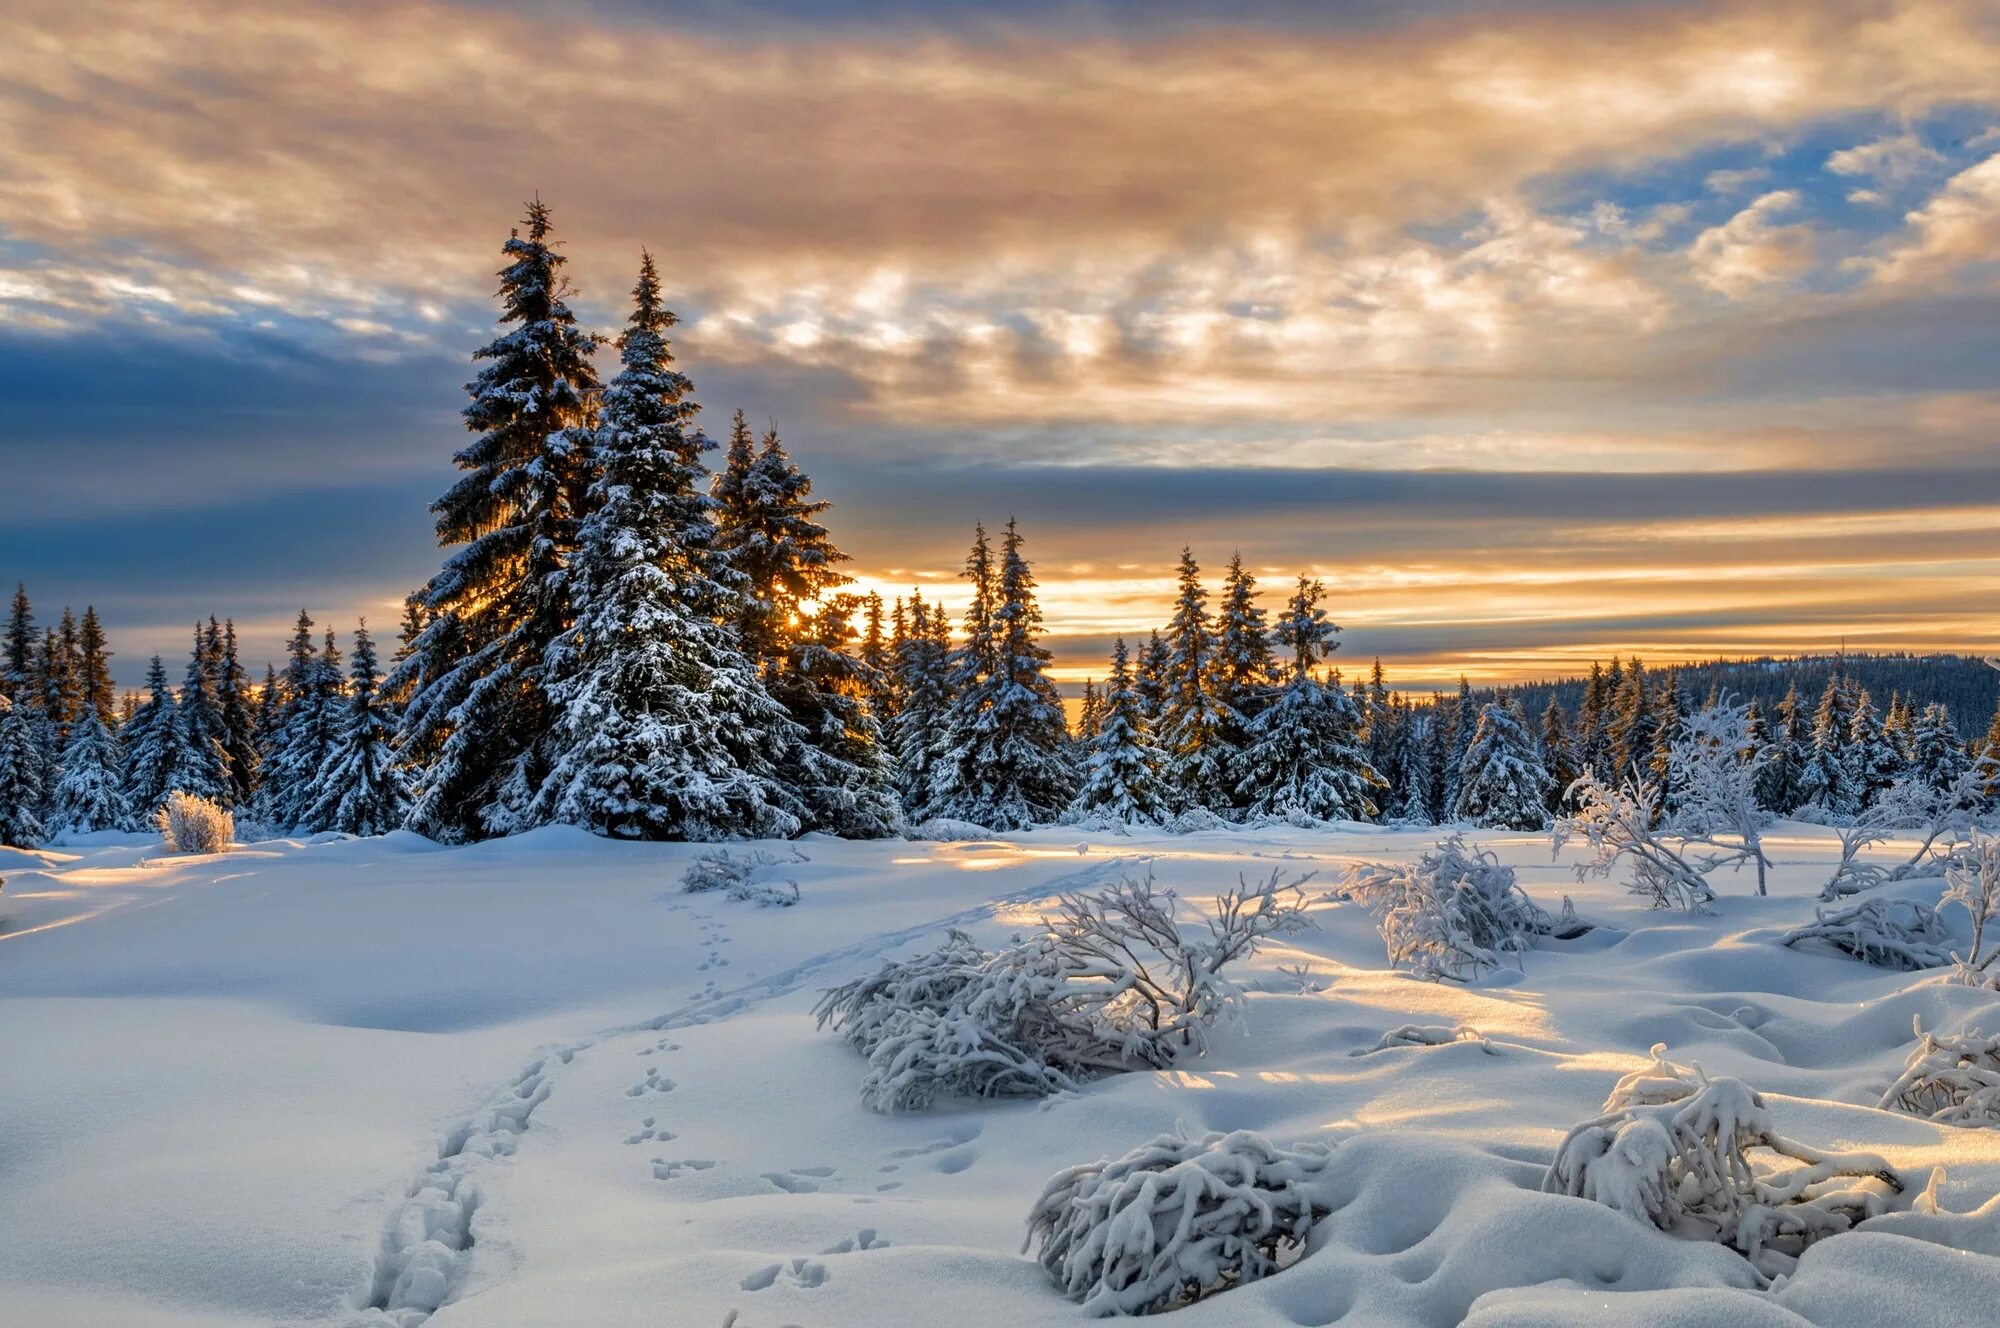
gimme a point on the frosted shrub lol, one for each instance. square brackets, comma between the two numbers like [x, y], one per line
[1972, 880]
[1427, 1035]
[1940, 818]
[1888, 933]
[194, 825]
[1619, 825]
[946, 829]
[1951, 1080]
[1699, 1159]
[1111, 983]
[1713, 767]
[721, 870]
[1177, 1219]
[1451, 914]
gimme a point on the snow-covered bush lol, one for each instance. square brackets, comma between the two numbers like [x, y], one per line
[1195, 821]
[1972, 878]
[1713, 767]
[719, 869]
[1940, 818]
[1952, 1080]
[1452, 913]
[194, 825]
[1902, 934]
[1110, 983]
[1427, 1035]
[1177, 1219]
[1700, 1159]
[1619, 824]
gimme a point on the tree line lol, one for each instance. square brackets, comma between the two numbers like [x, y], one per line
[620, 639]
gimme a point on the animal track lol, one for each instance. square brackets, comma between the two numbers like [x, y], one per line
[649, 1129]
[799, 1180]
[801, 1272]
[655, 1083]
[864, 1239]
[665, 1170]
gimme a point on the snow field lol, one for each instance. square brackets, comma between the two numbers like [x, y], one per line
[529, 1082]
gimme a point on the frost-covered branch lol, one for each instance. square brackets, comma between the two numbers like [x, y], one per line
[1701, 1159]
[1888, 933]
[1941, 818]
[1112, 982]
[1452, 914]
[1952, 1080]
[1619, 824]
[1177, 1219]
[1714, 767]
[721, 870]
[1972, 878]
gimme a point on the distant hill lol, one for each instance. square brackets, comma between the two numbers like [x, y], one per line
[1968, 686]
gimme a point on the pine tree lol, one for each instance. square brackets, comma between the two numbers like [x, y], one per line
[1089, 713]
[1244, 678]
[1305, 756]
[923, 678]
[291, 760]
[17, 646]
[1779, 779]
[1121, 772]
[267, 724]
[201, 764]
[1632, 727]
[239, 723]
[94, 672]
[769, 530]
[1194, 727]
[1871, 759]
[878, 657]
[842, 770]
[1379, 726]
[21, 789]
[359, 790]
[1826, 780]
[957, 787]
[1458, 737]
[1559, 756]
[149, 749]
[1149, 680]
[89, 796]
[1593, 743]
[1989, 750]
[1502, 783]
[479, 706]
[1937, 754]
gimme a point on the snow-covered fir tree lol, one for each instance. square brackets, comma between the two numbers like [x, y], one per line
[1593, 743]
[233, 704]
[1305, 755]
[1194, 725]
[90, 794]
[1872, 759]
[148, 742]
[21, 789]
[360, 790]
[1122, 766]
[841, 771]
[664, 727]
[94, 668]
[1631, 728]
[1149, 679]
[1778, 778]
[201, 763]
[17, 645]
[1244, 678]
[1937, 754]
[479, 704]
[1502, 783]
[1559, 756]
[1006, 759]
[769, 529]
[924, 684]
[1463, 719]
[1826, 780]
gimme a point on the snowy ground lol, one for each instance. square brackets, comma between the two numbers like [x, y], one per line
[224, 1076]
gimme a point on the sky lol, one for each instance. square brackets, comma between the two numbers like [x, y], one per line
[1537, 331]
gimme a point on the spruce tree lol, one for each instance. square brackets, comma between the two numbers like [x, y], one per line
[149, 750]
[1244, 679]
[1871, 759]
[479, 704]
[1089, 713]
[239, 721]
[1379, 724]
[1121, 770]
[1826, 781]
[841, 771]
[291, 756]
[1195, 726]
[94, 659]
[360, 791]
[768, 528]
[1502, 782]
[923, 679]
[1988, 749]
[664, 729]
[1778, 780]
[877, 655]
[17, 646]
[201, 764]
[1149, 680]
[1559, 756]
[21, 787]
[1593, 746]
[90, 795]
[1305, 756]
[1632, 726]
[1937, 754]
[1463, 720]
[957, 788]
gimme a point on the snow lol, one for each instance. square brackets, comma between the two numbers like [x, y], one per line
[249, 1087]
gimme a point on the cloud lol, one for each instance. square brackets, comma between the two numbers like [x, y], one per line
[1753, 249]
[1889, 160]
[1958, 227]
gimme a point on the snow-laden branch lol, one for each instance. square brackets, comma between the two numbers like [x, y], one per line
[1453, 913]
[1902, 934]
[1953, 1080]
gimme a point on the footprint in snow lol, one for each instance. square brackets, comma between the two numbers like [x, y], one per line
[665, 1170]
[801, 1272]
[655, 1083]
[864, 1239]
[799, 1180]
[649, 1128]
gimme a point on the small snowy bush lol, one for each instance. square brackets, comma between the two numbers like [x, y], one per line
[1427, 1035]
[1451, 914]
[1177, 1220]
[1111, 983]
[1888, 933]
[194, 825]
[1700, 1159]
[1620, 825]
[1972, 880]
[1195, 821]
[946, 829]
[1951, 1080]
[1940, 818]
[719, 869]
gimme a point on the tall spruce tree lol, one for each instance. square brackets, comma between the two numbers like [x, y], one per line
[1937, 754]
[1632, 726]
[148, 742]
[923, 680]
[1305, 756]
[664, 729]
[21, 789]
[479, 704]
[1194, 725]
[1244, 679]
[201, 763]
[1502, 783]
[1121, 770]
[360, 790]
[90, 795]
[94, 668]
[1149, 679]
[1559, 756]
[1778, 779]
[1826, 780]
[239, 720]
[17, 645]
